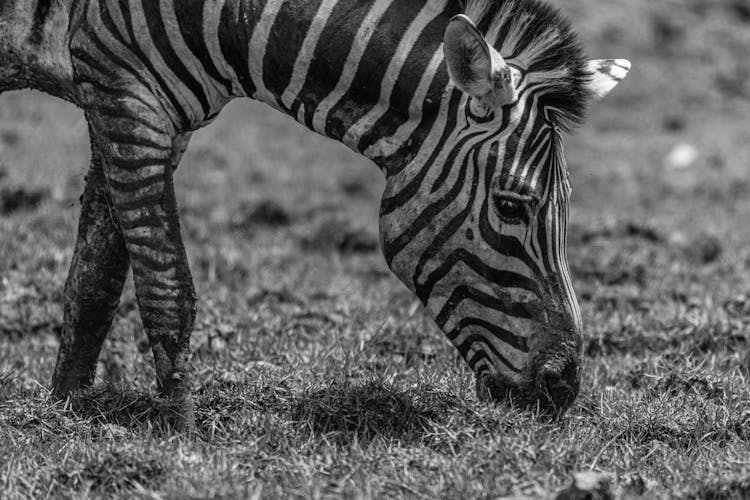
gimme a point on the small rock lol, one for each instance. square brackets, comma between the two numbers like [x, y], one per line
[635, 485]
[587, 486]
[225, 330]
[113, 431]
[678, 239]
[682, 156]
[217, 344]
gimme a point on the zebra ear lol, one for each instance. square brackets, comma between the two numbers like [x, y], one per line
[468, 57]
[605, 75]
[475, 67]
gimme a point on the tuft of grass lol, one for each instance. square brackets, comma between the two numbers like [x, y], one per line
[344, 413]
[123, 407]
[118, 471]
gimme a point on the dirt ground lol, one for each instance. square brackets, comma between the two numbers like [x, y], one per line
[319, 375]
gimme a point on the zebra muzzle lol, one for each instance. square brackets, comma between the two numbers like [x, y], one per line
[551, 390]
[557, 385]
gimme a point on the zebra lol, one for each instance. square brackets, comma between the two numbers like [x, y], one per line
[461, 104]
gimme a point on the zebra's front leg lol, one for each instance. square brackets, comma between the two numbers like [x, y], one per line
[143, 152]
[93, 287]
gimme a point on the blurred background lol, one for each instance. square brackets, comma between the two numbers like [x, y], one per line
[281, 230]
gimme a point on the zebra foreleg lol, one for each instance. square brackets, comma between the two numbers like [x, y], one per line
[142, 152]
[93, 287]
[171, 360]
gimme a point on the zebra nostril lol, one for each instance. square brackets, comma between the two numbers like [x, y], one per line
[550, 381]
[558, 384]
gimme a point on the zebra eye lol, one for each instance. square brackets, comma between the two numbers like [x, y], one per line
[510, 210]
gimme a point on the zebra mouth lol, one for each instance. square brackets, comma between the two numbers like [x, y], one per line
[550, 393]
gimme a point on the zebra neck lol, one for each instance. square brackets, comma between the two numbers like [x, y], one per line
[366, 73]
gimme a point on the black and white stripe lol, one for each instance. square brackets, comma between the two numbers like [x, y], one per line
[372, 74]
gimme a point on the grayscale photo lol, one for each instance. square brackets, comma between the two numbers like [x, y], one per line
[369, 249]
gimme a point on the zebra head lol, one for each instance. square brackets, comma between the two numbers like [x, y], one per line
[476, 223]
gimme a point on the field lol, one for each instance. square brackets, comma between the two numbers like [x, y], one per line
[318, 373]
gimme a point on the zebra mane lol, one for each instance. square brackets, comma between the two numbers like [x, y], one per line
[536, 37]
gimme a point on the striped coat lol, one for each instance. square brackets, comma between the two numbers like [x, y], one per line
[462, 105]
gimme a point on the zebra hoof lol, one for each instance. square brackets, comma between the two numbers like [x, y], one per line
[181, 414]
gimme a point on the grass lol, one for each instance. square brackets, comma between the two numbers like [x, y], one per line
[319, 375]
